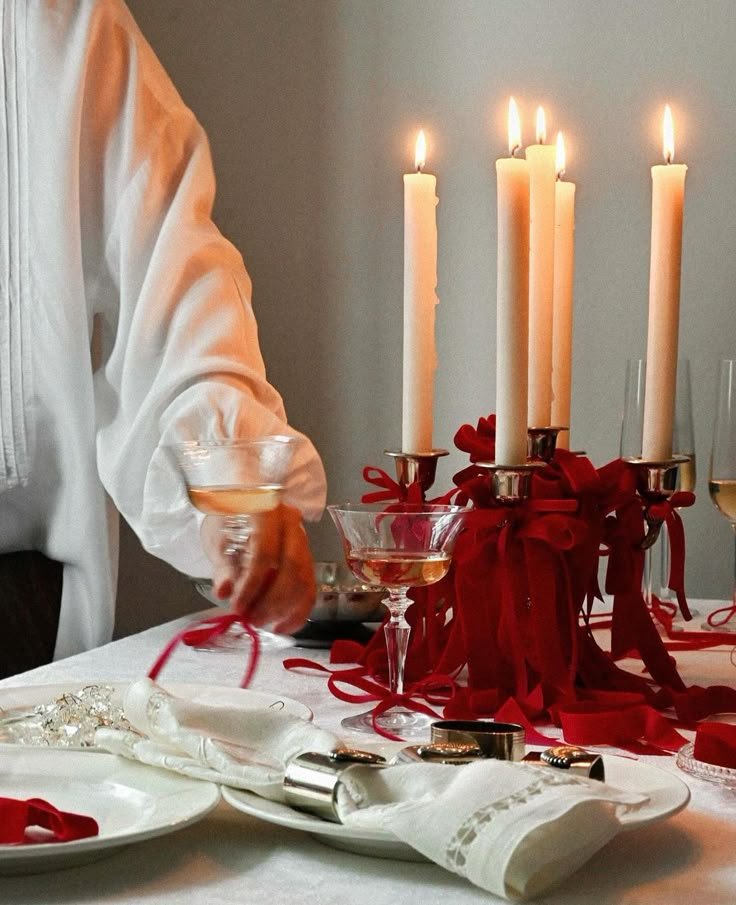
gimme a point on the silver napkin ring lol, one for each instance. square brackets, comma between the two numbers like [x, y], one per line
[311, 779]
[569, 757]
[502, 741]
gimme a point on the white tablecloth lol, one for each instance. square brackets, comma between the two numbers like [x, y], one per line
[230, 858]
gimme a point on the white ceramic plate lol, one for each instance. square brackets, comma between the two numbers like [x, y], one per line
[667, 795]
[14, 700]
[129, 801]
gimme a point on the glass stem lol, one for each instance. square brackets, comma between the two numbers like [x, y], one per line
[397, 631]
[238, 529]
[664, 579]
[648, 575]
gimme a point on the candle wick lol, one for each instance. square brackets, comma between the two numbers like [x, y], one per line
[514, 150]
[419, 168]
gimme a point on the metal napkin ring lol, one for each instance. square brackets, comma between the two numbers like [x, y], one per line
[311, 779]
[439, 753]
[569, 757]
[502, 741]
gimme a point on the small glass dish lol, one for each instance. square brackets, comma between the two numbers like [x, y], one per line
[726, 776]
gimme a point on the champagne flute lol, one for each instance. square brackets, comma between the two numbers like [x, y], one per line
[683, 444]
[397, 547]
[236, 479]
[722, 477]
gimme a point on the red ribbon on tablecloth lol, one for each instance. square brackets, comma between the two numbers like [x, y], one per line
[17, 816]
[204, 630]
[434, 689]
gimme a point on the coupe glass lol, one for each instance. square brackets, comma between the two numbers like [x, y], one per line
[236, 479]
[397, 547]
[683, 444]
[722, 477]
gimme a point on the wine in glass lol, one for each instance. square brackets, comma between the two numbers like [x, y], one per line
[722, 477]
[237, 480]
[397, 547]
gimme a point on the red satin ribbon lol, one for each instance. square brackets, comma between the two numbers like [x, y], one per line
[435, 690]
[198, 633]
[17, 816]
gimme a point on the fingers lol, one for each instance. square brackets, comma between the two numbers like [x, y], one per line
[225, 569]
[276, 586]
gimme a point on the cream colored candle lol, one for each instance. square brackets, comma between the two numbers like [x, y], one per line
[512, 300]
[562, 306]
[542, 177]
[668, 195]
[420, 299]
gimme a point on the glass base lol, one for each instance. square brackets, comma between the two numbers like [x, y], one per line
[235, 640]
[398, 721]
[711, 772]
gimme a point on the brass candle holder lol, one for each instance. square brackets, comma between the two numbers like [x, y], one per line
[542, 442]
[416, 468]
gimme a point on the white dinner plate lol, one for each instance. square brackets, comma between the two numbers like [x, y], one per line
[667, 795]
[129, 801]
[24, 698]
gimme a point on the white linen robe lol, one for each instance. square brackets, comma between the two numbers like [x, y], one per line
[125, 316]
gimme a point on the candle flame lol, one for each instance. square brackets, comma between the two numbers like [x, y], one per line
[668, 135]
[560, 156]
[541, 127]
[420, 156]
[514, 127]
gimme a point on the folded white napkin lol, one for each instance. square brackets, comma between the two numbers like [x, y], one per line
[510, 828]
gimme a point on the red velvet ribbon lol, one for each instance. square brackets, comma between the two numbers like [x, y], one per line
[523, 578]
[715, 743]
[17, 816]
[390, 489]
[204, 630]
[435, 689]
[721, 616]
[667, 511]
[622, 721]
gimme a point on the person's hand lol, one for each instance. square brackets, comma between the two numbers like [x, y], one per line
[272, 582]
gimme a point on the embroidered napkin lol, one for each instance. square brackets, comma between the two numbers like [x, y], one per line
[510, 828]
[19, 817]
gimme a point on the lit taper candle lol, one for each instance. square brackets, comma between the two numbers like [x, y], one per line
[420, 299]
[542, 178]
[668, 196]
[512, 300]
[562, 307]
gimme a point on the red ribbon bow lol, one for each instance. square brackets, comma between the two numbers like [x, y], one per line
[205, 630]
[17, 816]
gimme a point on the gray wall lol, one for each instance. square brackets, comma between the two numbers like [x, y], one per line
[312, 107]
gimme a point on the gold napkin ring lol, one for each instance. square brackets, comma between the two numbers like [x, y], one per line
[569, 757]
